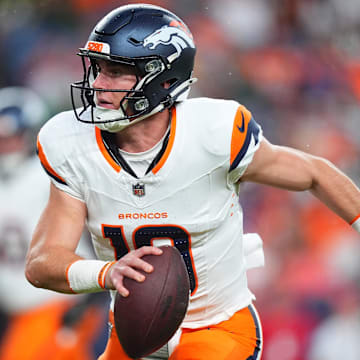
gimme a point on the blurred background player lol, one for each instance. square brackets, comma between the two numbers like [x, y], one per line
[40, 324]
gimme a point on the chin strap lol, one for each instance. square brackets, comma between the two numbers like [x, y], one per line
[181, 88]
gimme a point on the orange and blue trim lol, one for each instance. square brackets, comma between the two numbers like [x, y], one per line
[117, 165]
[259, 337]
[244, 128]
[46, 165]
[170, 144]
[104, 152]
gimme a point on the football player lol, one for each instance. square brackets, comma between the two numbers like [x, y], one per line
[36, 317]
[141, 165]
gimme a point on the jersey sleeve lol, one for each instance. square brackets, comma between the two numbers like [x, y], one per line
[53, 154]
[245, 140]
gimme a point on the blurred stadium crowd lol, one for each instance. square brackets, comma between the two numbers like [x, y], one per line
[295, 64]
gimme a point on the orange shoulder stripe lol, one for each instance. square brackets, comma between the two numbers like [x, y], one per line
[170, 144]
[240, 129]
[45, 163]
[103, 150]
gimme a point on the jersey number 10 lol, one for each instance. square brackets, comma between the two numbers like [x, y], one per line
[145, 235]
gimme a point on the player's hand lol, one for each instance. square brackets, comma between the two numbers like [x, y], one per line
[127, 266]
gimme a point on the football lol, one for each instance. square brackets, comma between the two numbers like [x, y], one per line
[149, 316]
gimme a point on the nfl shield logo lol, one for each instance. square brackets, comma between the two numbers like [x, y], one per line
[139, 189]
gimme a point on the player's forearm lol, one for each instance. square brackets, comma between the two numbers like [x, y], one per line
[59, 269]
[47, 269]
[335, 189]
[295, 170]
[54, 242]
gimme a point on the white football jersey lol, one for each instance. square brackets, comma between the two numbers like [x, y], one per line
[189, 199]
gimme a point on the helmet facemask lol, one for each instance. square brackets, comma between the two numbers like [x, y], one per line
[107, 119]
[135, 104]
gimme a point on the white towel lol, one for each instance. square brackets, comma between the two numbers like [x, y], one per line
[253, 251]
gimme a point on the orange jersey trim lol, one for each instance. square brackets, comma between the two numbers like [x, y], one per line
[67, 276]
[354, 219]
[46, 165]
[240, 129]
[166, 154]
[104, 152]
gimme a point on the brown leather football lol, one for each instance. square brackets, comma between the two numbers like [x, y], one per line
[149, 316]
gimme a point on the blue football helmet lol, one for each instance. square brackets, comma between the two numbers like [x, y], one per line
[22, 113]
[157, 44]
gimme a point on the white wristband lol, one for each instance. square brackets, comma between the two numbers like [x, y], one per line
[356, 224]
[85, 276]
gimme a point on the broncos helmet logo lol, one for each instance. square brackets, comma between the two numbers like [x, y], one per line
[176, 36]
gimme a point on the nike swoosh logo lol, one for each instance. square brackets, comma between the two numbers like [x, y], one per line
[242, 128]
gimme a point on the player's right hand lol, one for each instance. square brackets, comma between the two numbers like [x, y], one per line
[127, 266]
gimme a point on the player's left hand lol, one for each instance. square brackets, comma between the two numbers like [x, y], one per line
[127, 266]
